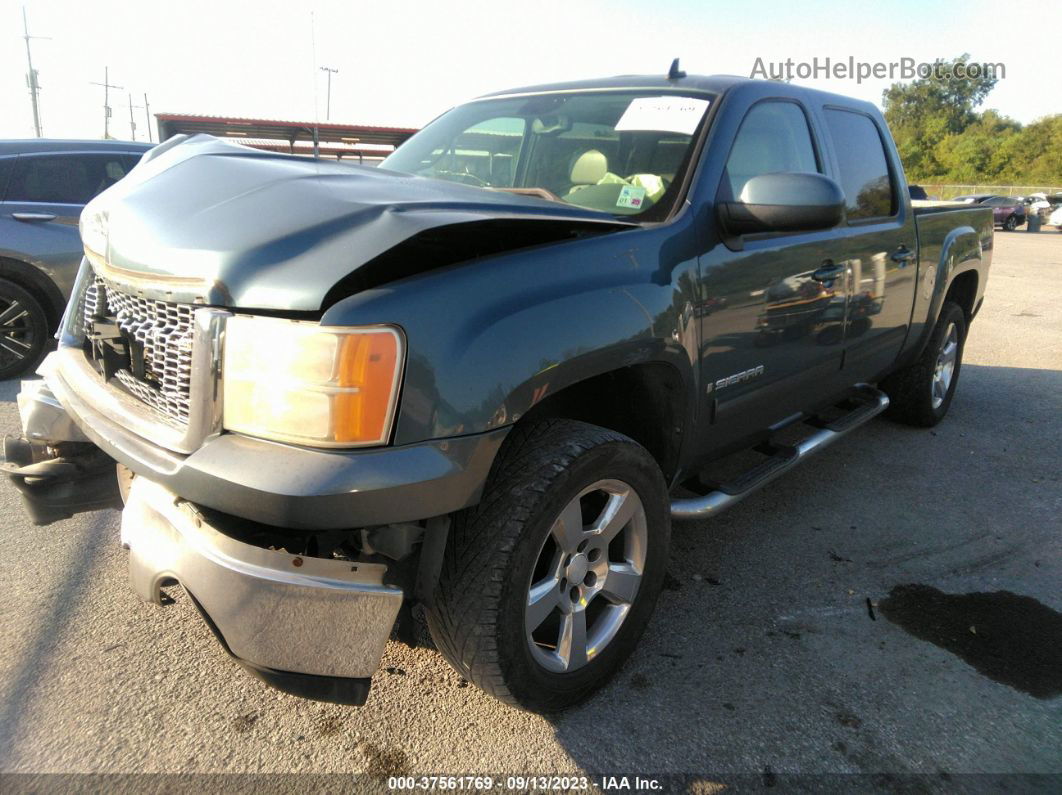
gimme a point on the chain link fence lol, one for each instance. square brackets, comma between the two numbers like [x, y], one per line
[940, 191]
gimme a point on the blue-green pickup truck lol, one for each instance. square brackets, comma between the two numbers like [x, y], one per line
[476, 385]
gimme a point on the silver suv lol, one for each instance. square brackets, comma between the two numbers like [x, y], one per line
[44, 184]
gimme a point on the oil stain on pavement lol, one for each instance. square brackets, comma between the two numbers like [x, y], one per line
[1012, 639]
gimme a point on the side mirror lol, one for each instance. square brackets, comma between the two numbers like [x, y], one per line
[784, 203]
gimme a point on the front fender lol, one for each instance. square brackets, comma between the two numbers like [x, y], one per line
[490, 339]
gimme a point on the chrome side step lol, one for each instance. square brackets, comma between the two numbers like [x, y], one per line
[871, 402]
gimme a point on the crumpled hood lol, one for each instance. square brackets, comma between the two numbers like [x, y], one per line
[209, 221]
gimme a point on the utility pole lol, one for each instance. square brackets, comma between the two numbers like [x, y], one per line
[107, 86]
[132, 124]
[147, 115]
[328, 101]
[31, 75]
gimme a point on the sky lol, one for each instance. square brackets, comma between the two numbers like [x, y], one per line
[402, 64]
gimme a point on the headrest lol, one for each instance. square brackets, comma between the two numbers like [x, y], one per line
[589, 168]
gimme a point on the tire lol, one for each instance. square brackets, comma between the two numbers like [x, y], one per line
[920, 394]
[511, 540]
[23, 330]
[1010, 224]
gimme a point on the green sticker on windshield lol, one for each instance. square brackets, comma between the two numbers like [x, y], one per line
[631, 196]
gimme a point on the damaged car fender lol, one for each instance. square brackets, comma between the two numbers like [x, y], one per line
[508, 348]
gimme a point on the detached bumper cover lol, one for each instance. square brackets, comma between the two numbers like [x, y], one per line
[303, 624]
[279, 484]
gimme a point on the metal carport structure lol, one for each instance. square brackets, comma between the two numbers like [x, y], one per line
[353, 141]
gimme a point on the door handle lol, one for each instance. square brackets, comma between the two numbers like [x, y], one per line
[33, 216]
[902, 255]
[828, 272]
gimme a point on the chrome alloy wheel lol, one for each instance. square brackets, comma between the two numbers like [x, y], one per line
[586, 576]
[16, 332]
[944, 370]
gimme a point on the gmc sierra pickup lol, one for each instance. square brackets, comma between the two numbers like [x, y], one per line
[476, 385]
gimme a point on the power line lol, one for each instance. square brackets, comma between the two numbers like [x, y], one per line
[132, 124]
[31, 75]
[147, 115]
[328, 101]
[107, 86]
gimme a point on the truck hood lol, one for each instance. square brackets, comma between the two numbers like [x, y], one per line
[202, 220]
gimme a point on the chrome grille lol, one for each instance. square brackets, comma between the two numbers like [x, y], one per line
[165, 333]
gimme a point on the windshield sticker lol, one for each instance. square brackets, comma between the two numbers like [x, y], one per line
[668, 114]
[631, 196]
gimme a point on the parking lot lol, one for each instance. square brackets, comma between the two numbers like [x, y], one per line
[776, 648]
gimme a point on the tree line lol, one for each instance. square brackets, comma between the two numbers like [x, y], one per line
[943, 137]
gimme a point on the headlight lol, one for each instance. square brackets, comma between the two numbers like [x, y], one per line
[93, 228]
[300, 382]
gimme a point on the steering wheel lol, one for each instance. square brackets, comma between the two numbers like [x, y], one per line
[467, 177]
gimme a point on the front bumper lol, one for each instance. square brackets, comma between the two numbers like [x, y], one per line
[280, 484]
[310, 626]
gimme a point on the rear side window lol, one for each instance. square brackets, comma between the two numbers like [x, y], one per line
[773, 138]
[865, 178]
[6, 164]
[64, 178]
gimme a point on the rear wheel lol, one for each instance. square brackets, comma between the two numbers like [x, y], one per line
[921, 394]
[550, 581]
[23, 330]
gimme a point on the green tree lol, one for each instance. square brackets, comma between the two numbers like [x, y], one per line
[977, 154]
[924, 112]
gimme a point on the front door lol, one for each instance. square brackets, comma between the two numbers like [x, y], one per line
[772, 313]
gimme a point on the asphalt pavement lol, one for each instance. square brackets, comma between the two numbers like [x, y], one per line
[890, 608]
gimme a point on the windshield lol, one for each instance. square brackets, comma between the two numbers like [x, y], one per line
[622, 152]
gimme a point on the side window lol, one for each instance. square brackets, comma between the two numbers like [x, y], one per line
[773, 137]
[865, 178]
[63, 179]
[6, 164]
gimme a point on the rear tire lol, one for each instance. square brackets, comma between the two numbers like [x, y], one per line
[506, 612]
[921, 394]
[23, 330]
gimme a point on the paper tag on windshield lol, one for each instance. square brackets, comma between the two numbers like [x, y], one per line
[631, 196]
[668, 114]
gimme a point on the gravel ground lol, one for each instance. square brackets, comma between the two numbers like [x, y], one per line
[764, 657]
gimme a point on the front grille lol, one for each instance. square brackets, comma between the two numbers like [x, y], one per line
[162, 337]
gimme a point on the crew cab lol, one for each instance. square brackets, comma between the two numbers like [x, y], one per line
[478, 383]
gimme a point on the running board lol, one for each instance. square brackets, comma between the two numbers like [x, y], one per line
[870, 403]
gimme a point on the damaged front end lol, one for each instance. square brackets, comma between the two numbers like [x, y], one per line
[307, 611]
[56, 468]
[311, 626]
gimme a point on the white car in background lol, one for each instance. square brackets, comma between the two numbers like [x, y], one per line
[1055, 218]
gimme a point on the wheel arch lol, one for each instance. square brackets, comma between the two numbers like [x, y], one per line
[658, 390]
[38, 285]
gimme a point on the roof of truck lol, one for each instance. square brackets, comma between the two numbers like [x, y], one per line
[712, 84]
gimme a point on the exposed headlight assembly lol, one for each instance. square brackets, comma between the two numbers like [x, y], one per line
[304, 383]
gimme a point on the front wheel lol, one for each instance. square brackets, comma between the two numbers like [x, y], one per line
[1010, 224]
[549, 582]
[921, 393]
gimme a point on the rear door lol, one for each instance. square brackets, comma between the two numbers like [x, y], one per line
[879, 242]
